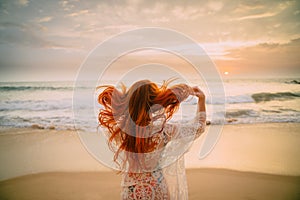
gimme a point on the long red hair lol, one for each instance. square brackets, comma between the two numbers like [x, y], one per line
[127, 113]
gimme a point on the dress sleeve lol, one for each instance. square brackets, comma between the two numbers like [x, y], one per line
[186, 129]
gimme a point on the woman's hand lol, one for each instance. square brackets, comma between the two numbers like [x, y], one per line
[198, 92]
[201, 99]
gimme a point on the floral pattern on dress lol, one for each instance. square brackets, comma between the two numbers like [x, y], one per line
[150, 186]
[167, 181]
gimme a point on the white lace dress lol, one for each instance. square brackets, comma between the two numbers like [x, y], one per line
[163, 177]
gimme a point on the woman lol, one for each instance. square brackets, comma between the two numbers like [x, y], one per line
[147, 147]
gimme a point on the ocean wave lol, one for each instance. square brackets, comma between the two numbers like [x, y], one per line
[280, 96]
[219, 101]
[33, 88]
[293, 82]
[239, 99]
[261, 97]
[36, 105]
[247, 98]
[241, 113]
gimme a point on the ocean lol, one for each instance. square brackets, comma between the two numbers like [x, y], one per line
[48, 105]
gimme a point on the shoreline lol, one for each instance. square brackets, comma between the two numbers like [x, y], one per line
[213, 184]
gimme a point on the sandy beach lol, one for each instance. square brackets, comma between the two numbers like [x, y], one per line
[215, 184]
[250, 161]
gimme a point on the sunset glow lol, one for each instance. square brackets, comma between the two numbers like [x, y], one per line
[50, 39]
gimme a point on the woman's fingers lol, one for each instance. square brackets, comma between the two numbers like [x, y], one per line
[198, 92]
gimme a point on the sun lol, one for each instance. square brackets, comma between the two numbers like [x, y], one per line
[226, 73]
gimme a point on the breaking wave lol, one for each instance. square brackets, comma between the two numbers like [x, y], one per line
[280, 96]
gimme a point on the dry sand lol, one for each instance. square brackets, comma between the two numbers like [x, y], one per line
[53, 164]
[214, 184]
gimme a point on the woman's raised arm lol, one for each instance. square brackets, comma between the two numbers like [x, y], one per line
[193, 128]
[201, 110]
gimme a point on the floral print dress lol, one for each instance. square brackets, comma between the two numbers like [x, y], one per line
[167, 180]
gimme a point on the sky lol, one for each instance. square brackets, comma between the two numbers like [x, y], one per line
[49, 40]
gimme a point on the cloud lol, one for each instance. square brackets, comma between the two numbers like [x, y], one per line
[120, 27]
[243, 32]
[246, 6]
[219, 50]
[257, 10]
[22, 2]
[258, 16]
[185, 13]
[44, 19]
[215, 6]
[66, 5]
[196, 10]
[25, 35]
[160, 20]
[270, 57]
[81, 12]
[63, 3]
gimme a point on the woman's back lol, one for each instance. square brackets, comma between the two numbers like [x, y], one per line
[147, 147]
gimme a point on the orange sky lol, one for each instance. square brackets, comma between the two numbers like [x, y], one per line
[48, 40]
